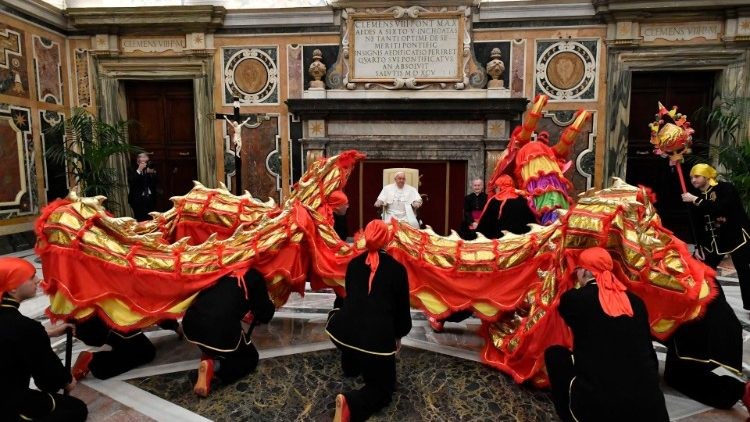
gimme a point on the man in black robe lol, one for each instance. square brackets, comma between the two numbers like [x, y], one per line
[474, 203]
[612, 374]
[369, 326]
[214, 323]
[25, 353]
[723, 225]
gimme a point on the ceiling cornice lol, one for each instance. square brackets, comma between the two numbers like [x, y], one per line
[152, 20]
[665, 10]
[40, 10]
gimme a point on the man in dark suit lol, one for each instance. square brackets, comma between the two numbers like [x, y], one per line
[612, 373]
[25, 353]
[369, 326]
[214, 323]
[142, 187]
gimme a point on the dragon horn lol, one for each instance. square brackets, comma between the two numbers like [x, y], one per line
[569, 135]
[534, 115]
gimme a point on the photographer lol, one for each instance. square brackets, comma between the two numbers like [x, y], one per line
[142, 187]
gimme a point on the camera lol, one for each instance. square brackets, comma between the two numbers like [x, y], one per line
[150, 165]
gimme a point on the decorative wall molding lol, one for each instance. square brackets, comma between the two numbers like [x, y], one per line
[567, 70]
[381, 50]
[14, 76]
[18, 187]
[48, 70]
[83, 81]
[251, 74]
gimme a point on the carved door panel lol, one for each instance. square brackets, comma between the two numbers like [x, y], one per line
[689, 91]
[164, 125]
[442, 185]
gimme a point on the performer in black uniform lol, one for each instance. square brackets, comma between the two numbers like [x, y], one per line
[723, 225]
[339, 203]
[25, 353]
[369, 326]
[507, 210]
[612, 373]
[698, 347]
[473, 205]
[129, 350]
[213, 322]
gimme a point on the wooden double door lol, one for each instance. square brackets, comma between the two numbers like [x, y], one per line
[163, 119]
[442, 184]
[692, 92]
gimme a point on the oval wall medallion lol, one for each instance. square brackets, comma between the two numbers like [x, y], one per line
[251, 75]
[566, 70]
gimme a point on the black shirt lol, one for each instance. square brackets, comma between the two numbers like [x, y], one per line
[25, 353]
[721, 201]
[373, 322]
[514, 217]
[214, 318]
[615, 363]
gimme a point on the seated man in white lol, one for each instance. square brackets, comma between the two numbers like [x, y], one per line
[400, 201]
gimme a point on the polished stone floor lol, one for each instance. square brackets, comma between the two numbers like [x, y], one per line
[298, 376]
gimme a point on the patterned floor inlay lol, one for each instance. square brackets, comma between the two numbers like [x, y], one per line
[432, 387]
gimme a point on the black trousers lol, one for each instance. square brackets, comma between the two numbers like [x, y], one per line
[561, 371]
[128, 350]
[458, 316]
[696, 380]
[236, 364]
[38, 406]
[379, 373]
[586, 402]
[741, 261]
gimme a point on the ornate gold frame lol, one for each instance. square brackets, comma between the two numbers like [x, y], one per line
[423, 14]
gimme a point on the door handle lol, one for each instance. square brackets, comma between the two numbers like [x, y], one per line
[643, 152]
[183, 154]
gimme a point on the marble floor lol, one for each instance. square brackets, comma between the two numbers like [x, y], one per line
[296, 378]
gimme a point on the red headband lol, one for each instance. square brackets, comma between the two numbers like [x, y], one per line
[14, 272]
[376, 236]
[337, 198]
[612, 295]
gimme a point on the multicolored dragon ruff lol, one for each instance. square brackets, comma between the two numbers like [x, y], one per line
[133, 275]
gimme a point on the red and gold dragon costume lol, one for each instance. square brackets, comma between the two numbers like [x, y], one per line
[133, 275]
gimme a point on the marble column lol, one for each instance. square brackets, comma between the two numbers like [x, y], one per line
[112, 109]
[205, 146]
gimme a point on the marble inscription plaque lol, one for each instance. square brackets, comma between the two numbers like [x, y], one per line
[153, 45]
[422, 49]
[681, 31]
